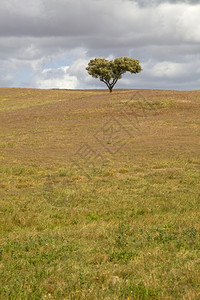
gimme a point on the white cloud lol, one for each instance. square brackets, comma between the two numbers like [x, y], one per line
[51, 34]
[56, 78]
[169, 69]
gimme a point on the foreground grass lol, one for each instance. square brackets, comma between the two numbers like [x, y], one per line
[126, 227]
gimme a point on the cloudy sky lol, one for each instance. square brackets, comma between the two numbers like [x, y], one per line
[48, 43]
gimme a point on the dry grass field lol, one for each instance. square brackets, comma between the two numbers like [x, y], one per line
[99, 194]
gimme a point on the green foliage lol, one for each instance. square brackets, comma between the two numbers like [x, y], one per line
[111, 71]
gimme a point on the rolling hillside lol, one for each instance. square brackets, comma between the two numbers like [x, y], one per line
[99, 194]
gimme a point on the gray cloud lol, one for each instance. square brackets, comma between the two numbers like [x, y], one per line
[36, 35]
[157, 2]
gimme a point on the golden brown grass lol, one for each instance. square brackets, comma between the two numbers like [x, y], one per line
[99, 194]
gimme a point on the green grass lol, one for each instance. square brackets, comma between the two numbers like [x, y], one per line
[126, 227]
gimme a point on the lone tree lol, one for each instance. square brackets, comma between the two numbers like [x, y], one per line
[111, 71]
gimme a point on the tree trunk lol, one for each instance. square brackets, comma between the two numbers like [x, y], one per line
[110, 89]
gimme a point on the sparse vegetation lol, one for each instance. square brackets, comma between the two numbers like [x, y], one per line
[123, 226]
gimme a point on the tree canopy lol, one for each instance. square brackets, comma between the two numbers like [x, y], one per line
[111, 71]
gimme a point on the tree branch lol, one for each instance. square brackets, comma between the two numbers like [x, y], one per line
[114, 82]
[107, 83]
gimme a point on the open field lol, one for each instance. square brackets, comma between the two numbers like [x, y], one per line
[99, 194]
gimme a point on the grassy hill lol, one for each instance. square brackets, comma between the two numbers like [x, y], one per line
[99, 194]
